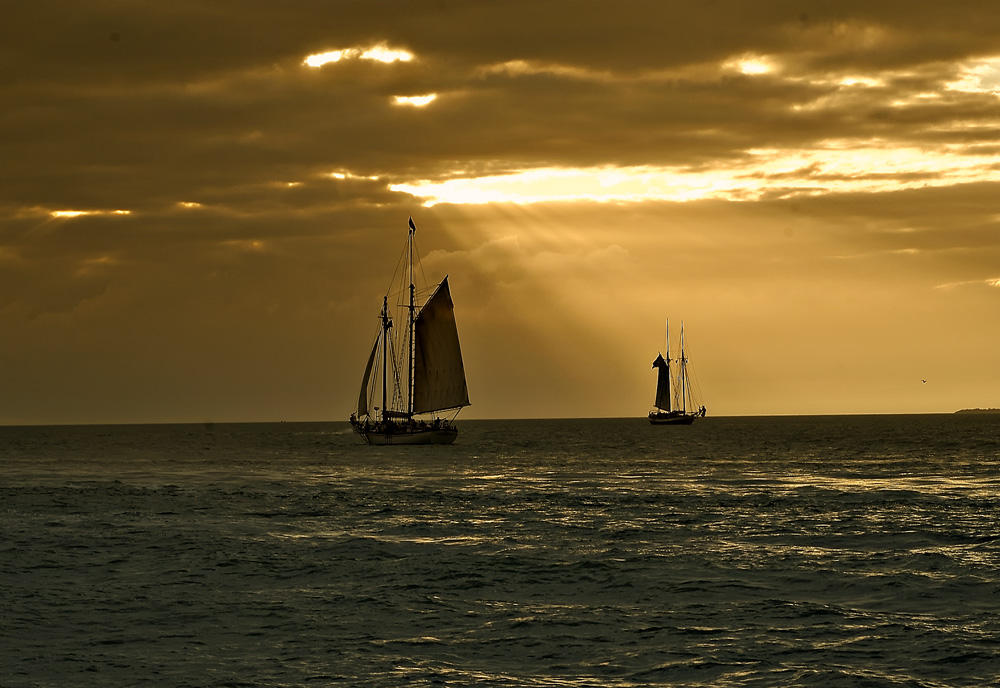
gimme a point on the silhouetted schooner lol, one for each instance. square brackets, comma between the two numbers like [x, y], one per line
[664, 412]
[434, 377]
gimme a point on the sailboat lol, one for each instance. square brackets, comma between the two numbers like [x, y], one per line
[674, 411]
[415, 372]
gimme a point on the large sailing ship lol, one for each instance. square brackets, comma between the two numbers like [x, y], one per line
[679, 409]
[416, 372]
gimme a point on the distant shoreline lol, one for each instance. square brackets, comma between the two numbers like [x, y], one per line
[979, 410]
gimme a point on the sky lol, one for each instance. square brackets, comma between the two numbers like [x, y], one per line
[201, 203]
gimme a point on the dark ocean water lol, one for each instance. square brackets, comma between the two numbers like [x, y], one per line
[812, 551]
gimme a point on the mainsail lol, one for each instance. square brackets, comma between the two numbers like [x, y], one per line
[662, 383]
[438, 371]
[363, 399]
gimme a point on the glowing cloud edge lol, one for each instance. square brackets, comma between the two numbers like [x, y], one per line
[837, 167]
[380, 52]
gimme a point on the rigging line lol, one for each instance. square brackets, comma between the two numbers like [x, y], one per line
[373, 383]
[695, 383]
[697, 386]
[402, 292]
[399, 293]
[375, 368]
[376, 375]
[395, 377]
[675, 381]
[420, 264]
[395, 270]
[690, 392]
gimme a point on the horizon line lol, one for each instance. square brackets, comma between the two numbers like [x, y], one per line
[538, 418]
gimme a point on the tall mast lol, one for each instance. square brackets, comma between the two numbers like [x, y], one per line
[385, 331]
[668, 363]
[409, 347]
[683, 373]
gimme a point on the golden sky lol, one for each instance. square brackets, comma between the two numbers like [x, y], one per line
[202, 202]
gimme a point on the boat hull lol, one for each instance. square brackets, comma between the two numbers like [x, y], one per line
[671, 418]
[407, 435]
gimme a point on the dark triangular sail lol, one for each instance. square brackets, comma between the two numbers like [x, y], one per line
[438, 371]
[363, 398]
[662, 383]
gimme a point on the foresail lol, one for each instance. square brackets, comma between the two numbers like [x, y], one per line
[662, 384]
[363, 398]
[438, 371]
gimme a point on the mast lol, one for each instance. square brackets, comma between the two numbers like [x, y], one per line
[683, 373]
[385, 349]
[409, 346]
[668, 363]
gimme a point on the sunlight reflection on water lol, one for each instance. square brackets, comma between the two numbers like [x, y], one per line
[735, 552]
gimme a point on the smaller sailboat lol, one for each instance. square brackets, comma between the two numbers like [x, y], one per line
[419, 367]
[679, 410]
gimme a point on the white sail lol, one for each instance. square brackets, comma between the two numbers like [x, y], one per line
[438, 371]
[363, 398]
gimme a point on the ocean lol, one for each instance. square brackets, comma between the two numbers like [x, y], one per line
[779, 551]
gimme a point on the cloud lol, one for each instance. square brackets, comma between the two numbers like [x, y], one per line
[834, 166]
[376, 53]
[716, 155]
[415, 101]
[989, 282]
